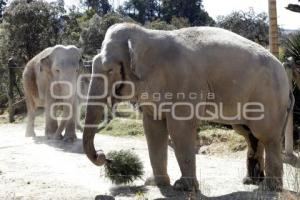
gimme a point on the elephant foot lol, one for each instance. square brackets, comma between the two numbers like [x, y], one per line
[58, 137]
[30, 134]
[255, 173]
[49, 136]
[271, 185]
[70, 138]
[160, 181]
[186, 184]
[251, 181]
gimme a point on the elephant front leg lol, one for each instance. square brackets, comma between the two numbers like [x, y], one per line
[60, 129]
[183, 134]
[30, 124]
[51, 120]
[70, 134]
[157, 140]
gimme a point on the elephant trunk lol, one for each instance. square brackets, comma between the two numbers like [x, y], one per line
[94, 116]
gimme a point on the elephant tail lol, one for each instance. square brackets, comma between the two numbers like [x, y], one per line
[30, 87]
[289, 112]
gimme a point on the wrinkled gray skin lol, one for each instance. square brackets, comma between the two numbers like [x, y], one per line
[57, 64]
[199, 59]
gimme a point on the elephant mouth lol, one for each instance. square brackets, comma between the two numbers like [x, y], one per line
[120, 87]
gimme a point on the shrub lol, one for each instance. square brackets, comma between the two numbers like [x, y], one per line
[123, 167]
[292, 46]
[160, 25]
[93, 34]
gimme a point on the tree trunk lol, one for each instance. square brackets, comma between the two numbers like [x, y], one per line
[273, 30]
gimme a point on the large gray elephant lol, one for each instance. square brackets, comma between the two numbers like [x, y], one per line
[50, 81]
[220, 75]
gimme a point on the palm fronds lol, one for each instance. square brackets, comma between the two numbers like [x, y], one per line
[292, 46]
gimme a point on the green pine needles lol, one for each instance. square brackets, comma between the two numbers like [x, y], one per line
[292, 46]
[123, 167]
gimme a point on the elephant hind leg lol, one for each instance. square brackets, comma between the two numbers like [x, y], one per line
[274, 166]
[270, 135]
[31, 96]
[51, 119]
[255, 159]
[70, 132]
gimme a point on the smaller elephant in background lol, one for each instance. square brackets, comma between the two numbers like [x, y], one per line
[50, 81]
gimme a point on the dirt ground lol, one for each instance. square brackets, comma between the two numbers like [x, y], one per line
[43, 169]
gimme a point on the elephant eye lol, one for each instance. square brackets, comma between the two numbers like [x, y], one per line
[57, 70]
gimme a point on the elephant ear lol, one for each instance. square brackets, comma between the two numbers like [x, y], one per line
[133, 48]
[133, 56]
[46, 61]
[76, 51]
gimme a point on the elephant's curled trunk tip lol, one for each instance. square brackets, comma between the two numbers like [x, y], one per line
[100, 158]
[96, 157]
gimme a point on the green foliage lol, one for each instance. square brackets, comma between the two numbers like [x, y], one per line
[101, 7]
[141, 10]
[190, 9]
[123, 167]
[2, 7]
[292, 46]
[176, 23]
[30, 28]
[248, 24]
[27, 29]
[3, 61]
[164, 10]
[180, 22]
[123, 127]
[282, 55]
[71, 27]
[160, 25]
[93, 35]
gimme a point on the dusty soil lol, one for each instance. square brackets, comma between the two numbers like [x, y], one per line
[43, 169]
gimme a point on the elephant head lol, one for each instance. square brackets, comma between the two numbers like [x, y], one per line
[116, 63]
[61, 64]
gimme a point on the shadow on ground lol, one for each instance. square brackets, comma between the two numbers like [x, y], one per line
[75, 147]
[139, 192]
